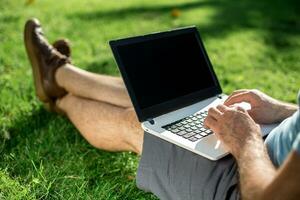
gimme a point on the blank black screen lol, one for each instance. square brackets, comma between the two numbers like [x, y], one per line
[164, 69]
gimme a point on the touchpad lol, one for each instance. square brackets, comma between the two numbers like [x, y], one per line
[211, 146]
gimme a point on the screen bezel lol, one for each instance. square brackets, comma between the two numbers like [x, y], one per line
[174, 104]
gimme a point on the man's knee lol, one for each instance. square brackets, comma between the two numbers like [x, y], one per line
[130, 119]
[66, 101]
[132, 131]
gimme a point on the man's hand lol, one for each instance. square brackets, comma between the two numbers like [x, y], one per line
[234, 127]
[264, 109]
[239, 132]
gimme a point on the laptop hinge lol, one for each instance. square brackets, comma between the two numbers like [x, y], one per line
[220, 96]
[151, 121]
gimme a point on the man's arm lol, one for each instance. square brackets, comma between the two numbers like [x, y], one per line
[259, 179]
[285, 184]
[285, 110]
[264, 109]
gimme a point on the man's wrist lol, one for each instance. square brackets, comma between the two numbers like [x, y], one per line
[285, 110]
[252, 147]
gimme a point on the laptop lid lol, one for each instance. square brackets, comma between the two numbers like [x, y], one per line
[165, 71]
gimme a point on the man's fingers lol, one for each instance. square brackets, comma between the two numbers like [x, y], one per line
[235, 98]
[239, 91]
[210, 122]
[215, 113]
[241, 109]
[238, 98]
[222, 108]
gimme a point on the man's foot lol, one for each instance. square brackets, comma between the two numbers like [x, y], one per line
[45, 60]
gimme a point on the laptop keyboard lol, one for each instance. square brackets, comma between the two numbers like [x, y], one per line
[190, 128]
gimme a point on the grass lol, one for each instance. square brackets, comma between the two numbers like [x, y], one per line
[252, 44]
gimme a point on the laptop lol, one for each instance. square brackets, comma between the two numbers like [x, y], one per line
[172, 84]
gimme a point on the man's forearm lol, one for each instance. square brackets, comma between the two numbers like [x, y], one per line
[285, 110]
[255, 169]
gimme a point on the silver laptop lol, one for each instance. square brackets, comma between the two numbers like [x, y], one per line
[172, 84]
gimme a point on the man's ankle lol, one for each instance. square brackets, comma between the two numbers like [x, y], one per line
[59, 75]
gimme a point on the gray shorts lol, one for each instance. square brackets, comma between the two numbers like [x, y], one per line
[171, 172]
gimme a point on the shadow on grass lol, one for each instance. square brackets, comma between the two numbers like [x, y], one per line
[9, 18]
[26, 127]
[107, 66]
[119, 14]
[43, 144]
[279, 18]
[24, 144]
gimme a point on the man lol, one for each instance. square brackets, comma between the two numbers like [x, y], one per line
[100, 108]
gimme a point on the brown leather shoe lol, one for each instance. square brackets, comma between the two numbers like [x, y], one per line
[63, 46]
[45, 60]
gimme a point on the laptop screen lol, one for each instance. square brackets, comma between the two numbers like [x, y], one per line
[162, 69]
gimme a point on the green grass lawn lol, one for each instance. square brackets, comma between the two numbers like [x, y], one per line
[252, 44]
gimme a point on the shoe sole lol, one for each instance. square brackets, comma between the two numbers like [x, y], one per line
[33, 57]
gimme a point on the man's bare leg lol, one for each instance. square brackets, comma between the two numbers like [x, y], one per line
[100, 108]
[104, 125]
[97, 105]
[93, 86]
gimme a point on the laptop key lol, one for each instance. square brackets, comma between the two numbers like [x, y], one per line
[198, 136]
[203, 134]
[197, 131]
[187, 126]
[189, 135]
[193, 139]
[180, 133]
[174, 126]
[188, 130]
[175, 130]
